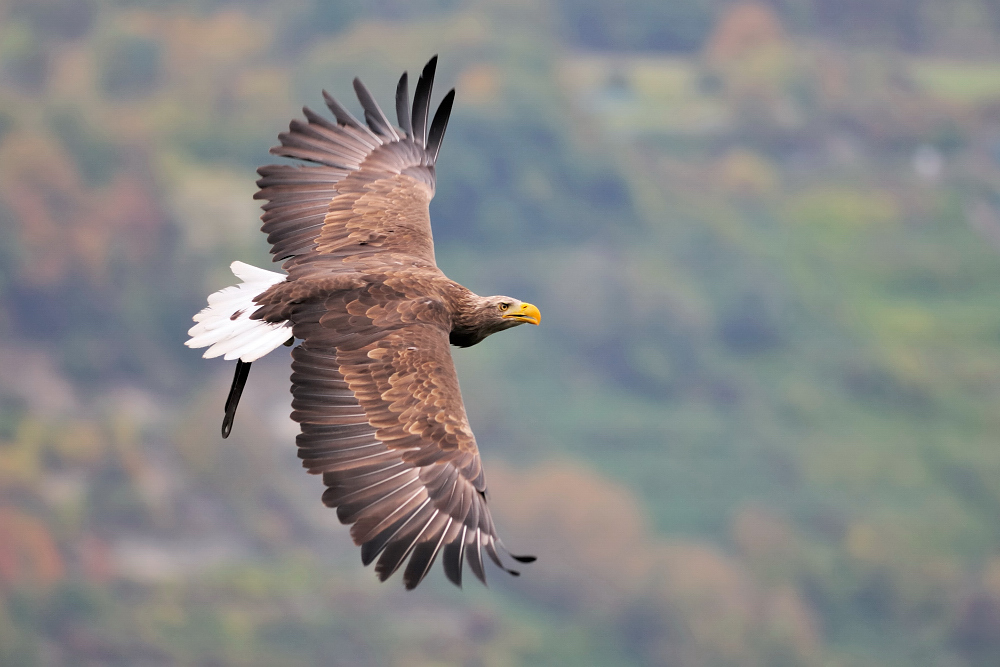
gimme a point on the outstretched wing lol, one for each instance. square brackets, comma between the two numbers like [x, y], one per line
[382, 419]
[369, 186]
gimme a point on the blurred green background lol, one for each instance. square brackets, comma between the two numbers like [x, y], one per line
[758, 427]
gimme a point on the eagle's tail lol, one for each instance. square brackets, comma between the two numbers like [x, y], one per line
[225, 324]
[226, 329]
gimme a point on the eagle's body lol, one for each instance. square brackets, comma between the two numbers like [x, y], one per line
[373, 384]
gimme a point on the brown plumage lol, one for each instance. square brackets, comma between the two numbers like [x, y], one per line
[373, 384]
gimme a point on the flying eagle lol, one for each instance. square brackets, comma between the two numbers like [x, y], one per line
[373, 384]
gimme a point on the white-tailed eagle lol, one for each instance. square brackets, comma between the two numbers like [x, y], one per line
[373, 384]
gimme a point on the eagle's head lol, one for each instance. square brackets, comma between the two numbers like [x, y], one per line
[487, 315]
[505, 312]
[497, 313]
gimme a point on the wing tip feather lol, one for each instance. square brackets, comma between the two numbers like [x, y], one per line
[422, 101]
[438, 126]
[402, 106]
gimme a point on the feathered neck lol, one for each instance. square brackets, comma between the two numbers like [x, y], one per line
[470, 318]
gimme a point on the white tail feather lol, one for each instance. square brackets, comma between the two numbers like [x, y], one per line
[225, 326]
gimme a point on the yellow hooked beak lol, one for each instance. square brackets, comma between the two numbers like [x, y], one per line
[526, 313]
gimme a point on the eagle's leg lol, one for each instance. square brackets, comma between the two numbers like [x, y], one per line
[239, 381]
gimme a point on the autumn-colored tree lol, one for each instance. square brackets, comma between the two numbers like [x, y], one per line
[745, 27]
[697, 604]
[28, 554]
[64, 226]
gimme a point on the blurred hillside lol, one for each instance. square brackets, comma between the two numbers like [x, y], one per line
[758, 426]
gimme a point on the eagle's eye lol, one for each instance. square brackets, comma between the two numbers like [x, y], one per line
[504, 306]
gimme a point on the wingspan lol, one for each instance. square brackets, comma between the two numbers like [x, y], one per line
[369, 186]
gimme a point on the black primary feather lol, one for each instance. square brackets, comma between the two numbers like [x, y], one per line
[403, 106]
[438, 126]
[453, 557]
[422, 102]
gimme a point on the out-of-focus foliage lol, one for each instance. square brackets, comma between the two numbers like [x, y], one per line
[758, 426]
